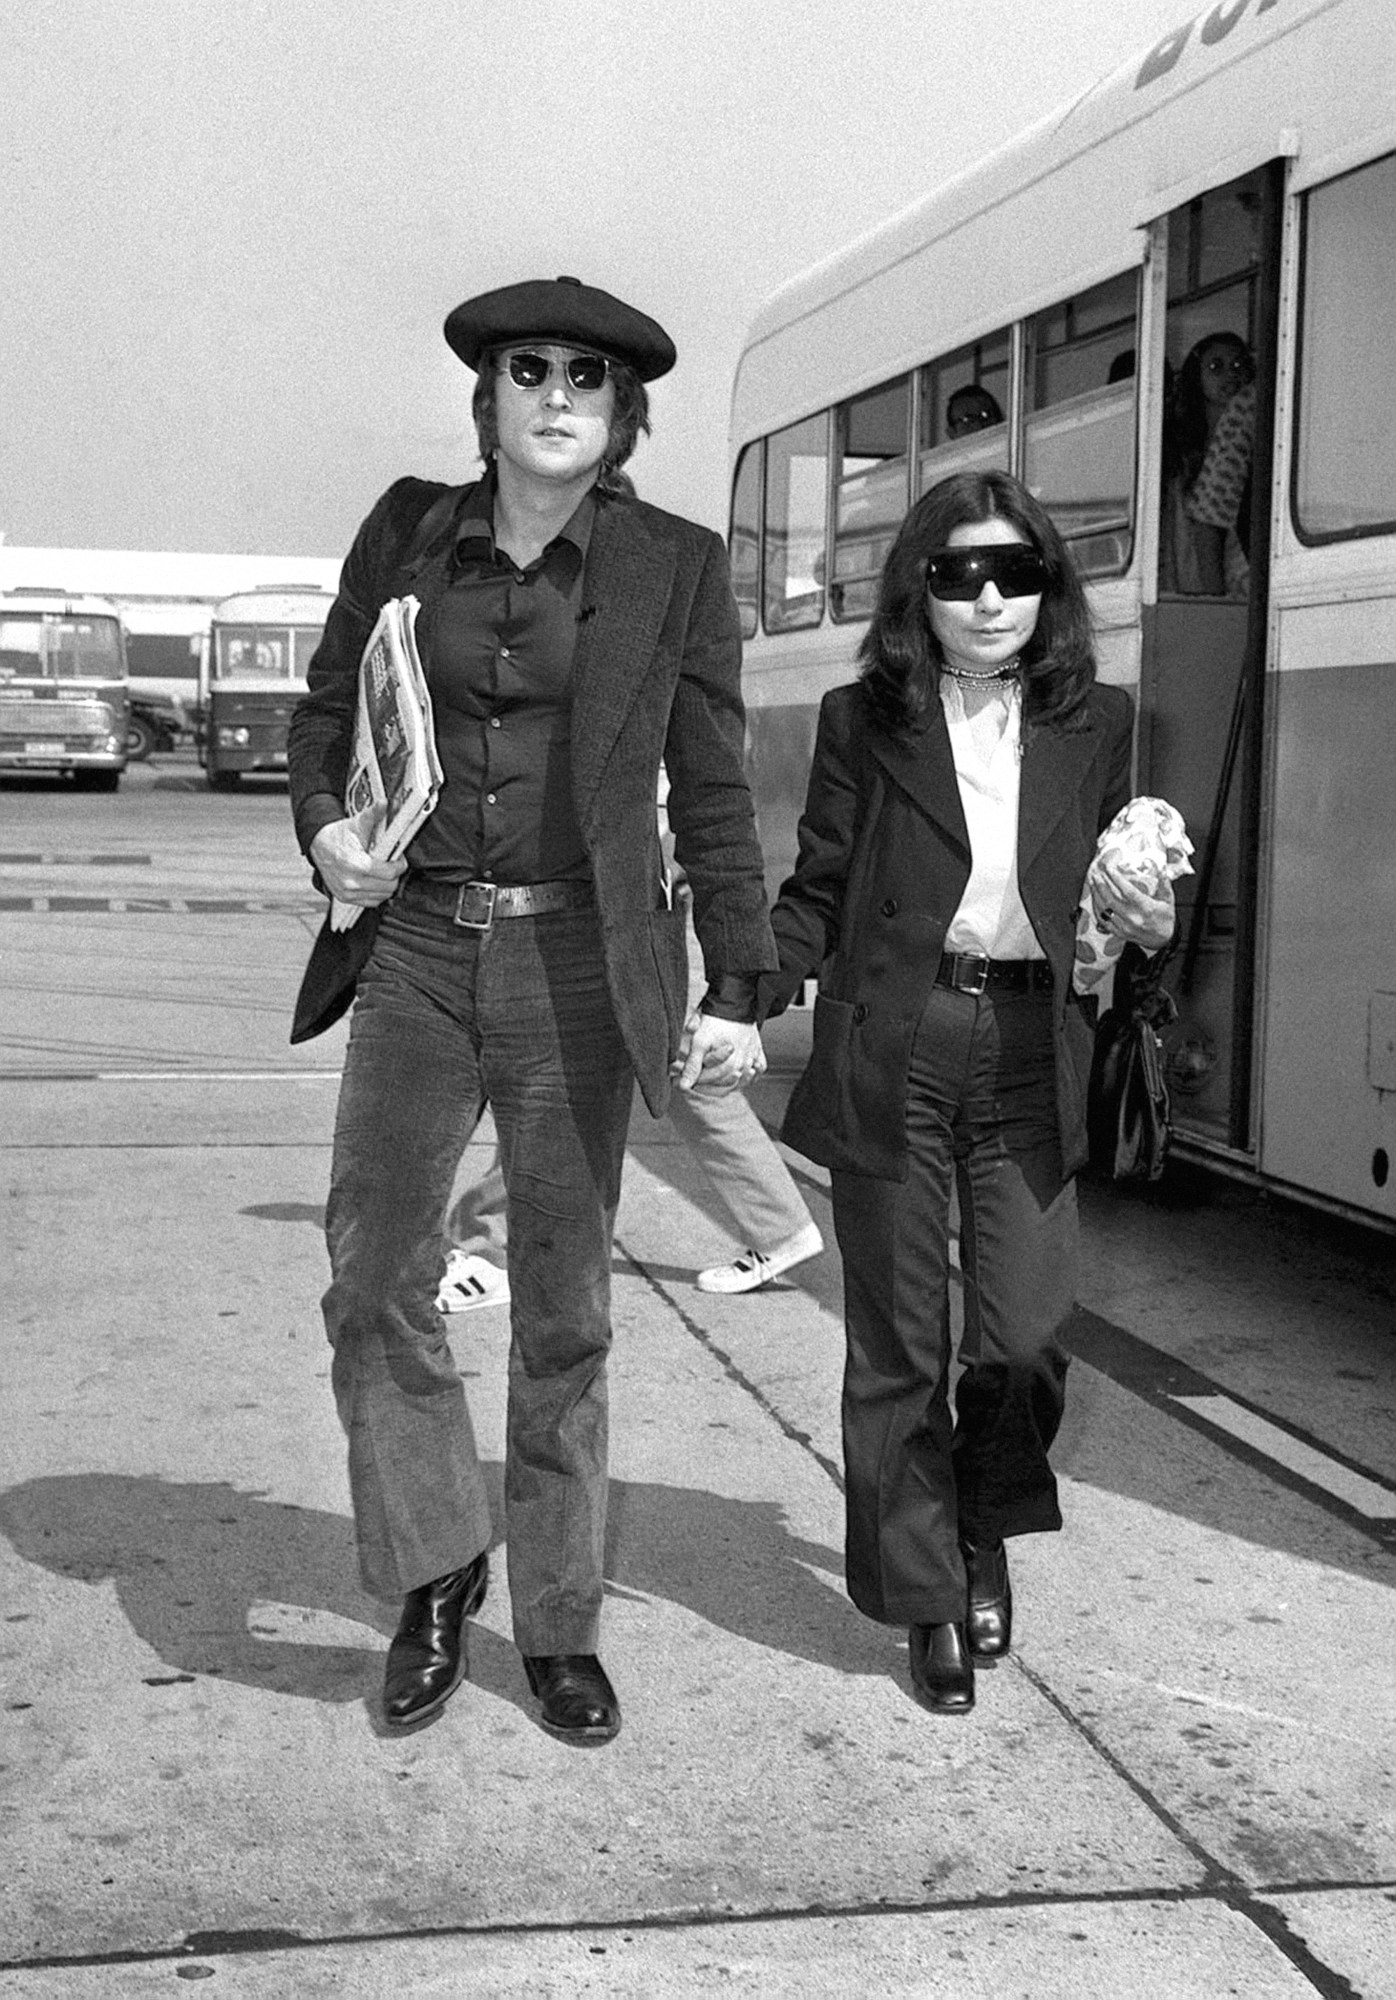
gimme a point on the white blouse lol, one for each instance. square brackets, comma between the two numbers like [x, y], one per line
[988, 750]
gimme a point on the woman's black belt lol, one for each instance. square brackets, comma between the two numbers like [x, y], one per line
[966, 972]
[477, 905]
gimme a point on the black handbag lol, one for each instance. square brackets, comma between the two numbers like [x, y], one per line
[1127, 1105]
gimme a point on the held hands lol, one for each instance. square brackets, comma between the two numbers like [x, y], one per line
[1122, 907]
[346, 867]
[717, 1056]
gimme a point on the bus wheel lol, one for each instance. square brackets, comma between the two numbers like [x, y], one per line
[96, 781]
[223, 781]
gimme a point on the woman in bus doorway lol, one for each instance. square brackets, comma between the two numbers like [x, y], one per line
[957, 792]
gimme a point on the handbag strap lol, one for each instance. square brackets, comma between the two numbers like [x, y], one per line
[1142, 975]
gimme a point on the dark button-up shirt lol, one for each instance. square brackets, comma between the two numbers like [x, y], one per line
[498, 660]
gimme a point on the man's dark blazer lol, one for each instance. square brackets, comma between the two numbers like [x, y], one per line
[883, 862]
[656, 675]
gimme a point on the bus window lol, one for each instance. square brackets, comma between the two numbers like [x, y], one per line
[870, 497]
[797, 470]
[1345, 448]
[1213, 237]
[744, 540]
[1078, 433]
[253, 650]
[964, 398]
[61, 648]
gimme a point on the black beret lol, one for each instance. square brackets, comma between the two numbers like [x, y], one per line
[565, 311]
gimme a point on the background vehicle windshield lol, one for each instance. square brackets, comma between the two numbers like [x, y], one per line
[60, 648]
[276, 652]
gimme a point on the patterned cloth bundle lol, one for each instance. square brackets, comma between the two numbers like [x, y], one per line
[1147, 841]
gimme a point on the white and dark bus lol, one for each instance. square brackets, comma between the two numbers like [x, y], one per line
[252, 671]
[64, 705]
[1237, 179]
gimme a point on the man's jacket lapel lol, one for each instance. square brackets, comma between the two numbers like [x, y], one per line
[625, 595]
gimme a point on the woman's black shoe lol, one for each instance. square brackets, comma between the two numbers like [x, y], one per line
[942, 1672]
[427, 1659]
[579, 1703]
[990, 1599]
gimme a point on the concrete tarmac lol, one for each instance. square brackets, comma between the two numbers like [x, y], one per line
[1179, 1784]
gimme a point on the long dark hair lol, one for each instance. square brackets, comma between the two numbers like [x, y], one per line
[630, 415]
[900, 657]
[1185, 426]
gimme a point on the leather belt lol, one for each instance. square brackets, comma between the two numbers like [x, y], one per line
[477, 905]
[966, 972]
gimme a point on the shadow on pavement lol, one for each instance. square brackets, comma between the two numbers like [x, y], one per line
[219, 1581]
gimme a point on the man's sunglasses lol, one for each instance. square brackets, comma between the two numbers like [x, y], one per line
[584, 372]
[956, 576]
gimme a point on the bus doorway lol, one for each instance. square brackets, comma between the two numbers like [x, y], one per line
[1203, 641]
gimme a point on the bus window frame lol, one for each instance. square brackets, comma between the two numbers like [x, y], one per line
[826, 416]
[756, 449]
[1311, 538]
[836, 584]
[1016, 419]
[1025, 409]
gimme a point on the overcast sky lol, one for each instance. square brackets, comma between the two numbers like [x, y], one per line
[231, 232]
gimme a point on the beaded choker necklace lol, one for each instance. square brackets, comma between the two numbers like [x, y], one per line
[1008, 673]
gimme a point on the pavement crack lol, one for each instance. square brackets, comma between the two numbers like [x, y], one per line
[1219, 1881]
[259, 1942]
[734, 1372]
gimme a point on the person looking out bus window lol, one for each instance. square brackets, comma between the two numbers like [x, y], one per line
[969, 409]
[1208, 444]
[956, 795]
[528, 953]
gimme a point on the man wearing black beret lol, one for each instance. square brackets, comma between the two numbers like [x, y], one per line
[526, 953]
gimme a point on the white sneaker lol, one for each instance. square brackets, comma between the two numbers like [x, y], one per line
[470, 1281]
[758, 1267]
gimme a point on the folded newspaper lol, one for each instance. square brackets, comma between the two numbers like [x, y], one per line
[395, 773]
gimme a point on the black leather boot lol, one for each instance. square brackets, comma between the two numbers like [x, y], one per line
[990, 1615]
[427, 1659]
[579, 1703]
[942, 1672]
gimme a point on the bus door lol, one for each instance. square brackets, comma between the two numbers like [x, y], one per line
[1203, 658]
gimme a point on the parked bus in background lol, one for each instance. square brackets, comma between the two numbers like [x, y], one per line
[63, 695]
[1201, 247]
[251, 675]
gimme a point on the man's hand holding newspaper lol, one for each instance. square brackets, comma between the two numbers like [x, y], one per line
[394, 777]
[348, 869]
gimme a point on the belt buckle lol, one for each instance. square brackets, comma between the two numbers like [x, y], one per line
[974, 982]
[479, 898]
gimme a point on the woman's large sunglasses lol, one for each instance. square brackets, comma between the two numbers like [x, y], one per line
[584, 372]
[956, 576]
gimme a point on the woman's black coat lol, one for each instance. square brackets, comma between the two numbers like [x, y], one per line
[883, 863]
